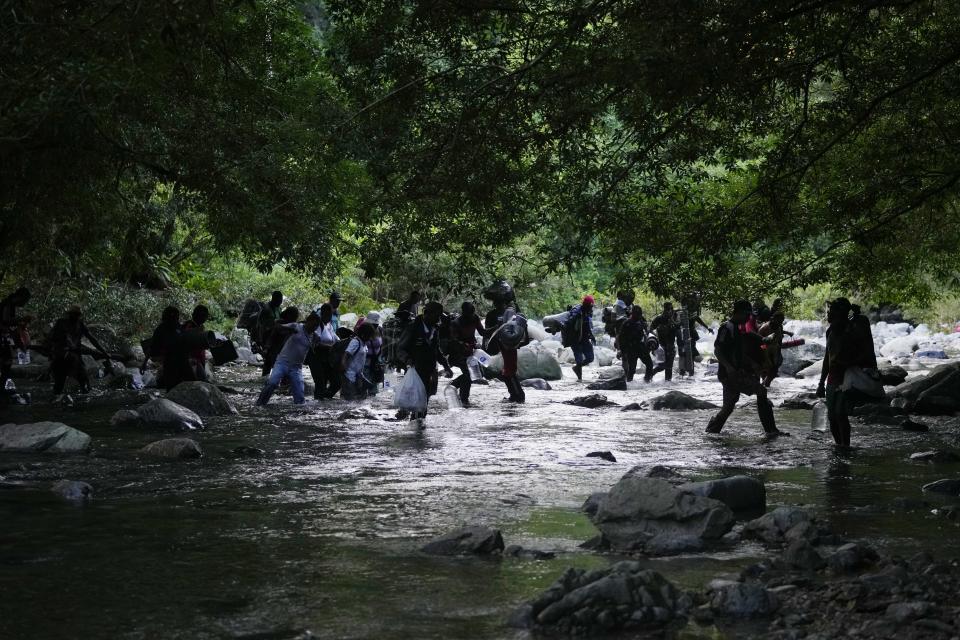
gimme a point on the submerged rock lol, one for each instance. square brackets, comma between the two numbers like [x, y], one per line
[679, 401]
[637, 510]
[536, 383]
[245, 451]
[516, 551]
[73, 490]
[740, 493]
[357, 413]
[947, 486]
[162, 413]
[911, 425]
[633, 406]
[610, 384]
[624, 596]
[603, 455]
[174, 449]
[592, 401]
[938, 456]
[472, 540]
[658, 471]
[46, 437]
[202, 398]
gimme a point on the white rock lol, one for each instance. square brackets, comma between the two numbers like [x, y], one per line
[903, 346]
[348, 320]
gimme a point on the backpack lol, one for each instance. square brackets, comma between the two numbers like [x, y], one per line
[250, 314]
[337, 350]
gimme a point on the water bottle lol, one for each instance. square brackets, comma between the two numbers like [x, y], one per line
[473, 366]
[23, 357]
[820, 421]
[482, 357]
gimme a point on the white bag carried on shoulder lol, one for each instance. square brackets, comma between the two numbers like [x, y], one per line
[863, 380]
[411, 394]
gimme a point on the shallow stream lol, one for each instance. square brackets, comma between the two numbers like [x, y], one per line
[322, 534]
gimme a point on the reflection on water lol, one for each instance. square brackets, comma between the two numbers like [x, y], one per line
[322, 533]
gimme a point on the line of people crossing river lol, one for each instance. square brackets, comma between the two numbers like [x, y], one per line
[425, 342]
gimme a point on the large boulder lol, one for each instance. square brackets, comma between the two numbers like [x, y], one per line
[942, 398]
[912, 389]
[679, 401]
[636, 510]
[625, 596]
[161, 413]
[740, 493]
[202, 398]
[173, 449]
[899, 347]
[533, 361]
[473, 540]
[46, 437]
[793, 361]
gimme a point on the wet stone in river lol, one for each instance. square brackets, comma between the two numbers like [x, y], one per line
[473, 540]
[173, 449]
[202, 398]
[679, 401]
[45, 437]
[623, 596]
[161, 413]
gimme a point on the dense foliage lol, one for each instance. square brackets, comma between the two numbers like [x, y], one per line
[728, 147]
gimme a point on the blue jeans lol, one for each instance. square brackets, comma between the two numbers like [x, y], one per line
[583, 353]
[279, 372]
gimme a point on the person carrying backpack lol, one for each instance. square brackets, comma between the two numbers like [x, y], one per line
[578, 334]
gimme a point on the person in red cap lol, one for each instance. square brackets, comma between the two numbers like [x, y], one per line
[578, 334]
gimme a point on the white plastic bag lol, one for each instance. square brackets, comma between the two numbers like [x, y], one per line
[862, 380]
[411, 394]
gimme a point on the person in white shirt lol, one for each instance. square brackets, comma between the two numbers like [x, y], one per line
[326, 381]
[353, 386]
[290, 361]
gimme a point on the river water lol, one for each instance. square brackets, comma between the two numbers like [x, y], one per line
[321, 536]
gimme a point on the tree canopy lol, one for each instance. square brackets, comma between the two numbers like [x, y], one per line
[728, 147]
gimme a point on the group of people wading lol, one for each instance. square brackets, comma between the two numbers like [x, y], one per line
[353, 362]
